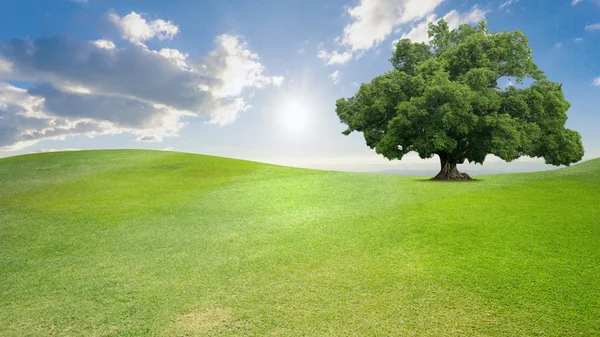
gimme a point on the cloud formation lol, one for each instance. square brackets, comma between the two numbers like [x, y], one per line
[593, 27]
[596, 82]
[135, 28]
[335, 76]
[236, 67]
[23, 121]
[81, 87]
[372, 21]
[334, 57]
[509, 3]
[419, 33]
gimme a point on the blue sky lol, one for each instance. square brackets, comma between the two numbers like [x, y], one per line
[250, 79]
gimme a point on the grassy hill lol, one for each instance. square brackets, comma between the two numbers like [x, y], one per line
[125, 243]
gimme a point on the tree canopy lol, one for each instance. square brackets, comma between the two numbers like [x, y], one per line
[444, 99]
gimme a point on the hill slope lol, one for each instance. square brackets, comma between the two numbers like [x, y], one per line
[157, 243]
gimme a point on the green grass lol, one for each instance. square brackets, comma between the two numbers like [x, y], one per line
[123, 243]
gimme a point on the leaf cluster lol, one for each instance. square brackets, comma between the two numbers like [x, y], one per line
[444, 98]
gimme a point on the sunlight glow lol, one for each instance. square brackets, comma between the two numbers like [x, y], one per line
[295, 116]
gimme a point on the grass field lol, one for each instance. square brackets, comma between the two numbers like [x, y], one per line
[124, 243]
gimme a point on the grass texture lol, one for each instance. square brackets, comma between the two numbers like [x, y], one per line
[130, 243]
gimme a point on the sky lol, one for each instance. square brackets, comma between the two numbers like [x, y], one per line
[252, 79]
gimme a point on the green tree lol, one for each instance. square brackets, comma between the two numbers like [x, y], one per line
[444, 99]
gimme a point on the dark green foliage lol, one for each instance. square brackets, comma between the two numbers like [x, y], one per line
[444, 99]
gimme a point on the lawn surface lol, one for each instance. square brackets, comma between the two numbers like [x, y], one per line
[124, 243]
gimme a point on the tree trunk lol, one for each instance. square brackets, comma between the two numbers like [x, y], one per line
[449, 170]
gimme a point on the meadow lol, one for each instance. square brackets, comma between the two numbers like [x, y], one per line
[129, 243]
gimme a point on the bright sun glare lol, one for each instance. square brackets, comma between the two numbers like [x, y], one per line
[295, 116]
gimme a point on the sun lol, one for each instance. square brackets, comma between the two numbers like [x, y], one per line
[295, 116]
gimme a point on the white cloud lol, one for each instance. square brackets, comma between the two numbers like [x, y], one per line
[23, 121]
[575, 2]
[374, 20]
[175, 56]
[596, 82]
[129, 72]
[509, 3]
[135, 28]
[334, 57]
[578, 39]
[558, 45]
[454, 19]
[236, 67]
[335, 76]
[419, 32]
[227, 110]
[106, 44]
[5, 67]
[593, 27]
[92, 88]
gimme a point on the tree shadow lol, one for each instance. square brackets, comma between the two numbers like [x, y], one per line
[430, 180]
